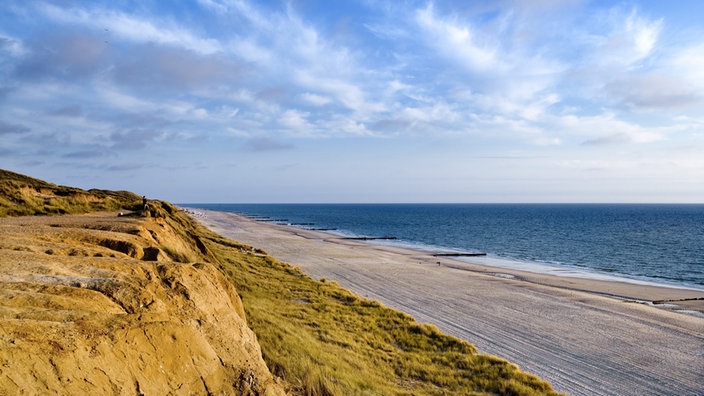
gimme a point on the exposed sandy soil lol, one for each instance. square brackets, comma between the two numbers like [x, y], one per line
[96, 304]
[574, 333]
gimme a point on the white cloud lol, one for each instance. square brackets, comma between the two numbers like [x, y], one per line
[260, 20]
[216, 6]
[674, 81]
[686, 64]
[339, 125]
[437, 113]
[11, 45]
[200, 113]
[458, 42]
[627, 40]
[237, 132]
[129, 27]
[530, 108]
[655, 90]
[315, 99]
[345, 91]
[513, 131]
[606, 128]
[249, 50]
[644, 34]
[689, 60]
[229, 112]
[118, 99]
[296, 120]
[386, 31]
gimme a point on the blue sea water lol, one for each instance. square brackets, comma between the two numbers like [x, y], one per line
[652, 243]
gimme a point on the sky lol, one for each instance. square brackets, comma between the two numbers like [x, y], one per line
[234, 101]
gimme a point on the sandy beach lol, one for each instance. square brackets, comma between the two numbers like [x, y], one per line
[587, 337]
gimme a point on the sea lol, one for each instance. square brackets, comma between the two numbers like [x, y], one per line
[639, 243]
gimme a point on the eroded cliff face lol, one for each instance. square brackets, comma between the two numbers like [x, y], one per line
[101, 304]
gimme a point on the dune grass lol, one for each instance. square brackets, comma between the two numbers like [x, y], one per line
[23, 196]
[324, 340]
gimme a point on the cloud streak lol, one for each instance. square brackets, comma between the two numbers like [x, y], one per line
[128, 27]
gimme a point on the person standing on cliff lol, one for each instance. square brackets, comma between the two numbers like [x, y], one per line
[144, 202]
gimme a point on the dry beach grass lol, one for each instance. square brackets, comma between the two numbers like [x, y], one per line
[586, 337]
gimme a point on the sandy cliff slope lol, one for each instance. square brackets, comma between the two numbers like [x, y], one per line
[100, 304]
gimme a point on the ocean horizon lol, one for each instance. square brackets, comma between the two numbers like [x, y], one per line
[660, 244]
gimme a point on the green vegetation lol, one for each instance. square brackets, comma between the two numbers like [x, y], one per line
[22, 195]
[324, 340]
[318, 337]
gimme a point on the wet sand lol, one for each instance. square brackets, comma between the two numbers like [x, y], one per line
[587, 337]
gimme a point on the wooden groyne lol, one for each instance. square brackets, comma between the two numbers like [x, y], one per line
[458, 254]
[370, 238]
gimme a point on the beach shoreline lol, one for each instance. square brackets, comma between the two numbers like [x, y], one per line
[662, 295]
[629, 243]
[671, 297]
[585, 336]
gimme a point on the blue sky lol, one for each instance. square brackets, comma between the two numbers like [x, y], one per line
[358, 101]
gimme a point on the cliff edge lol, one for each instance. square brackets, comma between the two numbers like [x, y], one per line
[105, 304]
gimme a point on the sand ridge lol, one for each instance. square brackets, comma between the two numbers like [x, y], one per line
[586, 337]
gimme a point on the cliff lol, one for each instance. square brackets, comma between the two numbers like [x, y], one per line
[106, 304]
